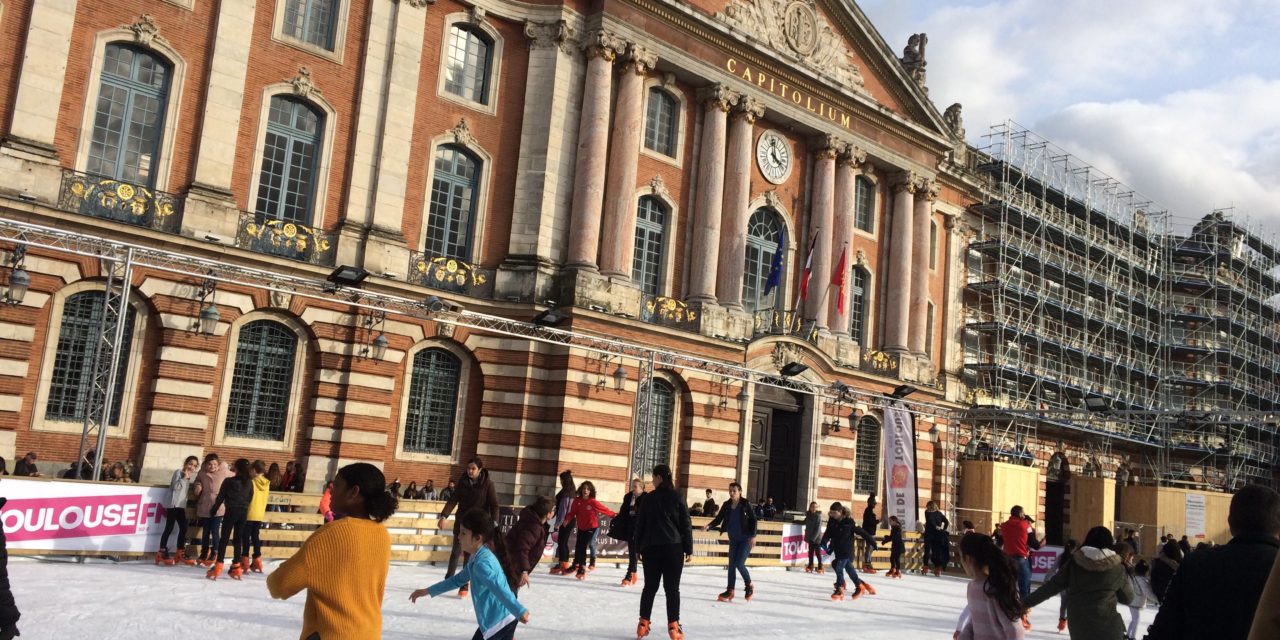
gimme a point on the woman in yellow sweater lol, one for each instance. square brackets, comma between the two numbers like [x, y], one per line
[257, 513]
[343, 565]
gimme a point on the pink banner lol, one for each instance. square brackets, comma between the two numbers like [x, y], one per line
[82, 516]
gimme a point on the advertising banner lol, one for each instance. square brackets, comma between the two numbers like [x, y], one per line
[794, 549]
[899, 466]
[606, 547]
[1195, 516]
[1042, 561]
[82, 516]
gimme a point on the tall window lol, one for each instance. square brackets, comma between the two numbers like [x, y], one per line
[657, 434]
[933, 245]
[866, 466]
[129, 118]
[470, 56]
[764, 232]
[453, 203]
[928, 331]
[858, 306]
[660, 123]
[433, 402]
[262, 381]
[72, 379]
[646, 263]
[290, 159]
[311, 21]
[864, 205]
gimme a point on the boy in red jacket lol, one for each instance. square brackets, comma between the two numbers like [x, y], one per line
[583, 512]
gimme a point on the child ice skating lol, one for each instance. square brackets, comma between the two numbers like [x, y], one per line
[623, 526]
[897, 547]
[526, 540]
[737, 519]
[235, 495]
[175, 513]
[838, 540]
[343, 565]
[208, 484]
[993, 609]
[584, 512]
[563, 526]
[497, 610]
[813, 537]
[257, 513]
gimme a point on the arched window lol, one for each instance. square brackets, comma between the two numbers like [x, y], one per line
[866, 464]
[660, 124]
[858, 293]
[129, 119]
[311, 21]
[864, 205]
[262, 381]
[656, 435]
[290, 159]
[764, 232]
[72, 378]
[646, 264]
[453, 203]
[433, 402]
[470, 54]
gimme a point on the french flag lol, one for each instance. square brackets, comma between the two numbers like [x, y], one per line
[808, 271]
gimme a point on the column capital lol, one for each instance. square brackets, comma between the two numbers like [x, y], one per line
[828, 147]
[416, 4]
[853, 156]
[931, 189]
[718, 96]
[639, 60]
[546, 35]
[908, 181]
[603, 44]
[749, 109]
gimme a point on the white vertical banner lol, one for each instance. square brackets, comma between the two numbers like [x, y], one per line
[1194, 514]
[899, 466]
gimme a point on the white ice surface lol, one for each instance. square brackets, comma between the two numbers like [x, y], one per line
[140, 600]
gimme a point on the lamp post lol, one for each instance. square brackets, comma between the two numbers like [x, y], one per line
[19, 279]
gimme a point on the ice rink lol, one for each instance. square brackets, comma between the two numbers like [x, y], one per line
[140, 600]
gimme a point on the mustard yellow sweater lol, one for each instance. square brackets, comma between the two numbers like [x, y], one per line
[343, 566]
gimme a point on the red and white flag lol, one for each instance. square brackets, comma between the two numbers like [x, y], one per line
[808, 272]
[837, 280]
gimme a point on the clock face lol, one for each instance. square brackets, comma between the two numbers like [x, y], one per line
[773, 156]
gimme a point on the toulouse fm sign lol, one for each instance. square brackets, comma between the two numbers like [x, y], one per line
[82, 516]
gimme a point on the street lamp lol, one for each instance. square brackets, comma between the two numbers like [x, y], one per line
[19, 279]
[619, 377]
[379, 346]
[209, 317]
[743, 398]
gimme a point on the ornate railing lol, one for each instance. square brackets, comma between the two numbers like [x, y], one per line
[774, 322]
[880, 363]
[669, 312]
[450, 274]
[284, 239]
[109, 199]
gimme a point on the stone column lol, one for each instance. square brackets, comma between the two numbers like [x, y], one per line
[737, 197]
[619, 228]
[822, 214]
[715, 101]
[923, 206]
[593, 146]
[847, 166]
[898, 297]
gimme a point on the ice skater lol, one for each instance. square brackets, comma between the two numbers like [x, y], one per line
[257, 513]
[175, 514]
[737, 519]
[838, 540]
[937, 544]
[813, 537]
[527, 539]
[993, 608]
[664, 542]
[9, 614]
[897, 547]
[869, 524]
[623, 526]
[563, 527]
[343, 565]
[235, 495]
[498, 612]
[584, 513]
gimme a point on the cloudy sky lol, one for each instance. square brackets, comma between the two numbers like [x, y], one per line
[1179, 99]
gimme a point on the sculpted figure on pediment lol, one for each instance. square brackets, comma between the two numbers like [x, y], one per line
[796, 27]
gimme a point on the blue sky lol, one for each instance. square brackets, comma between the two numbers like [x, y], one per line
[1180, 99]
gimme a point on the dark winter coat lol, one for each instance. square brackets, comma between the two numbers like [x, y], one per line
[745, 513]
[473, 494]
[812, 527]
[1094, 581]
[623, 525]
[897, 544]
[1162, 571]
[235, 494]
[1215, 592]
[8, 608]
[839, 537]
[663, 519]
[869, 520]
[526, 541]
[709, 506]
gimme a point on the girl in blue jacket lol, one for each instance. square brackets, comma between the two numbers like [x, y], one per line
[497, 610]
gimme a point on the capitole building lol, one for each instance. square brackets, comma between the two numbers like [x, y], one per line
[634, 165]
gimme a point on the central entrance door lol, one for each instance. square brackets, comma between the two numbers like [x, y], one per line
[774, 468]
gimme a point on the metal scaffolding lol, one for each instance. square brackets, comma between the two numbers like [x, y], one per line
[1079, 289]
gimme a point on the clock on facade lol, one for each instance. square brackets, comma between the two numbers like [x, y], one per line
[773, 156]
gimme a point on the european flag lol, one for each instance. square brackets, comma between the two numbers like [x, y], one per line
[775, 269]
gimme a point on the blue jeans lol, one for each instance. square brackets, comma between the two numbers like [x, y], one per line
[842, 566]
[1024, 577]
[210, 533]
[738, 552]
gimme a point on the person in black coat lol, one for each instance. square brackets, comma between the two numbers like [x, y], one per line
[838, 539]
[937, 542]
[622, 526]
[235, 494]
[527, 538]
[664, 538]
[1165, 565]
[869, 524]
[897, 547]
[475, 491]
[8, 608]
[737, 519]
[1215, 593]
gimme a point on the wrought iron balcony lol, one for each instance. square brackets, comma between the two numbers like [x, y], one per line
[450, 274]
[880, 363]
[774, 322]
[669, 312]
[110, 199]
[284, 239]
